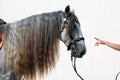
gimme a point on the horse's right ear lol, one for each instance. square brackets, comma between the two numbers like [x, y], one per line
[67, 9]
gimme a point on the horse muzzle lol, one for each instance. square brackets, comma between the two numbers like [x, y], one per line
[78, 53]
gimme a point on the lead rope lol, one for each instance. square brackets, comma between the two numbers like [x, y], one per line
[117, 76]
[74, 66]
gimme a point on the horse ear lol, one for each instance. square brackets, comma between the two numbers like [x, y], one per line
[67, 9]
[2, 22]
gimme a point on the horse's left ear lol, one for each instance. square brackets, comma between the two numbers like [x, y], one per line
[67, 9]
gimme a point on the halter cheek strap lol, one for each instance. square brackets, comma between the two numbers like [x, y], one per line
[64, 23]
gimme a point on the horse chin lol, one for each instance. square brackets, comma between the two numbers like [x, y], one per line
[78, 54]
[82, 53]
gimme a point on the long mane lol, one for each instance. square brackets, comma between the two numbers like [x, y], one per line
[32, 44]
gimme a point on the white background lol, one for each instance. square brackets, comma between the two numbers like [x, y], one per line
[98, 18]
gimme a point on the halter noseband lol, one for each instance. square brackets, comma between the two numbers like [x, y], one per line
[76, 40]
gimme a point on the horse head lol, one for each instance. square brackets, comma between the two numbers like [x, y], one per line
[71, 34]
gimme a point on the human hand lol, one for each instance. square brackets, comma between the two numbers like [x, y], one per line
[99, 42]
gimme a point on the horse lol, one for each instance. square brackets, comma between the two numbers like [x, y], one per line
[31, 45]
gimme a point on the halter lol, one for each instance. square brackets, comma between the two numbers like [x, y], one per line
[64, 24]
